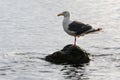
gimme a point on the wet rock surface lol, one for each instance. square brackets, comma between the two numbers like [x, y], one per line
[70, 55]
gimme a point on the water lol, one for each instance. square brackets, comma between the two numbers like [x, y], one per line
[30, 30]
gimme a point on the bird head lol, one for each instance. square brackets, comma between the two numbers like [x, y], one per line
[65, 14]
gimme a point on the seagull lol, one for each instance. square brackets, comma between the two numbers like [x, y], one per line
[75, 28]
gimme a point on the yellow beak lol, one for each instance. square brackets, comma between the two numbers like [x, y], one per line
[60, 14]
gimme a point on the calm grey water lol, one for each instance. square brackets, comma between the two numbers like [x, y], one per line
[30, 30]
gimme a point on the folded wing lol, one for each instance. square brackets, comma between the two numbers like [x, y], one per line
[79, 27]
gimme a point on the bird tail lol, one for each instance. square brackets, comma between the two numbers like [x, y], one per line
[94, 30]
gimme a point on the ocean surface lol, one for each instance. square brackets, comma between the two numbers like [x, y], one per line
[30, 30]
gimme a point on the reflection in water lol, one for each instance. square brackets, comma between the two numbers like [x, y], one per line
[31, 29]
[75, 72]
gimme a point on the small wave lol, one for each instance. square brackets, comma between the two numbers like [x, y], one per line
[102, 55]
[27, 53]
[107, 48]
[115, 48]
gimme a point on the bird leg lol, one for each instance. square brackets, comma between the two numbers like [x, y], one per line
[75, 41]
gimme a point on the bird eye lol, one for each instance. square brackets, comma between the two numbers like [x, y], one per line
[65, 12]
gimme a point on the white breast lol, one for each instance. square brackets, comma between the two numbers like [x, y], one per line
[66, 26]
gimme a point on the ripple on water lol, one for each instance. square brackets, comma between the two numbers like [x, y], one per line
[74, 72]
[31, 27]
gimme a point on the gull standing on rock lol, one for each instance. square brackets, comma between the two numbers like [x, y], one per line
[75, 28]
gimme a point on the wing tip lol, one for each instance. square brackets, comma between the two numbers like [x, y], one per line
[98, 29]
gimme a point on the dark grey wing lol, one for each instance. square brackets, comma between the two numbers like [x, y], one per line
[79, 27]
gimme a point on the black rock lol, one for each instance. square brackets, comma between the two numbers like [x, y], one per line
[69, 54]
